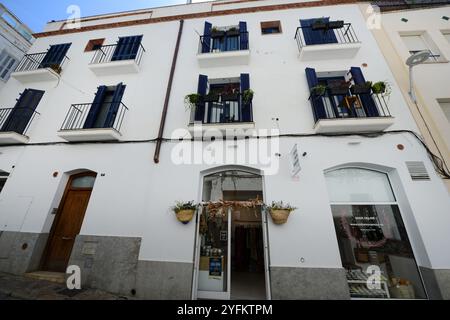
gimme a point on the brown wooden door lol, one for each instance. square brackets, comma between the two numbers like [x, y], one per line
[67, 224]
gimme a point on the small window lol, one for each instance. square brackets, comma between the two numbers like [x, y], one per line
[83, 182]
[94, 45]
[7, 64]
[445, 106]
[270, 27]
[422, 42]
[3, 178]
[446, 35]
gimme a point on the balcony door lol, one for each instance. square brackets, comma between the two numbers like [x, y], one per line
[19, 117]
[55, 55]
[103, 111]
[127, 48]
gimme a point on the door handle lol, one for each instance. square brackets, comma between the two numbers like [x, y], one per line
[67, 238]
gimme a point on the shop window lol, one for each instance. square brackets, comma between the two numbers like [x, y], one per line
[94, 44]
[270, 27]
[3, 178]
[373, 240]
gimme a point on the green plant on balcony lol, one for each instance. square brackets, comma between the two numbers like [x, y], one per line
[382, 87]
[192, 100]
[247, 96]
[318, 91]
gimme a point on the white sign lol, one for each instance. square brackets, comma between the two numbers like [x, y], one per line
[295, 161]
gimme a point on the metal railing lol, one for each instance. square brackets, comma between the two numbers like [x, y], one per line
[346, 34]
[16, 119]
[228, 43]
[351, 106]
[31, 62]
[107, 53]
[225, 110]
[78, 113]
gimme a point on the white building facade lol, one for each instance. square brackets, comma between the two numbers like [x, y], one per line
[100, 145]
[15, 40]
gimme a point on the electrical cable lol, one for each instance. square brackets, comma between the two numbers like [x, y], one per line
[436, 160]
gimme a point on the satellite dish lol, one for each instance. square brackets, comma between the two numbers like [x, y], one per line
[418, 58]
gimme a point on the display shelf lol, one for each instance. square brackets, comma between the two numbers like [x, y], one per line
[358, 289]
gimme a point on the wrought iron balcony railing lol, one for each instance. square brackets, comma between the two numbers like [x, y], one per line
[35, 61]
[16, 119]
[105, 118]
[343, 35]
[111, 53]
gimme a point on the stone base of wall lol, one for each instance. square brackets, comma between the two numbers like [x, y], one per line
[308, 284]
[21, 252]
[437, 283]
[107, 263]
[164, 280]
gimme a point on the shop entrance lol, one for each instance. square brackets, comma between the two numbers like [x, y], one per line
[231, 251]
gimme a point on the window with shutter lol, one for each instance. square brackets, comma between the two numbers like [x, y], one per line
[55, 55]
[312, 37]
[7, 64]
[127, 48]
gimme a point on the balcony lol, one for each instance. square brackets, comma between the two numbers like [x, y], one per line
[348, 113]
[14, 124]
[108, 60]
[105, 126]
[33, 68]
[222, 114]
[337, 41]
[230, 48]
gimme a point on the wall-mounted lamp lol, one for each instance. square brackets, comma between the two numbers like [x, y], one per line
[414, 60]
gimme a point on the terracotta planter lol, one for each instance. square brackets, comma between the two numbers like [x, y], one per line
[185, 216]
[280, 216]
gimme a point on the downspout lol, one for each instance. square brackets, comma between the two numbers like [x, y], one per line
[167, 99]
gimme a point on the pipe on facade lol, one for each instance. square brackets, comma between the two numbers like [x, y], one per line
[159, 140]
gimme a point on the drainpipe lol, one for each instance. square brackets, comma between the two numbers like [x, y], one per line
[166, 101]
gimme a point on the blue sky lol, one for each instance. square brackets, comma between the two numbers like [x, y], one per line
[36, 13]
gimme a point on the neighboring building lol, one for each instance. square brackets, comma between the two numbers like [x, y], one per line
[407, 31]
[98, 148]
[15, 40]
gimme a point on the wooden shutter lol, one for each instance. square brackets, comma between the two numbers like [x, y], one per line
[95, 108]
[316, 103]
[316, 36]
[202, 88]
[55, 55]
[115, 105]
[247, 114]
[127, 48]
[206, 44]
[369, 105]
[244, 35]
[22, 112]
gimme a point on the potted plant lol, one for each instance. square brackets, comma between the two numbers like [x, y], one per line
[215, 32]
[184, 211]
[338, 88]
[361, 88]
[319, 24]
[211, 97]
[382, 87]
[318, 90]
[280, 212]
[336, 24]
[192, 100]
[233, 31]
[247, 96]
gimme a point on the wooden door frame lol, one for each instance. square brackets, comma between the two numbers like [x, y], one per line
[60, 211]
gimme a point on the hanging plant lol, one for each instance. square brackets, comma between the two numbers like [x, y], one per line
[382, 87]
[192, 100]
[184, 211]
[280, 212]
[318, 90]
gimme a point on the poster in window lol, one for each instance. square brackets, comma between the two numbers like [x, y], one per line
[215, 267]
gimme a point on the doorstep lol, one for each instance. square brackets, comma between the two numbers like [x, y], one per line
[57, 277]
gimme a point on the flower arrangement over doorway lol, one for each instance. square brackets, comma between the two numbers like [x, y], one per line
[218, 209]
[280, 212]
[184, 211]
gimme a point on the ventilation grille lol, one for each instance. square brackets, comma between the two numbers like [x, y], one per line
[417, 170]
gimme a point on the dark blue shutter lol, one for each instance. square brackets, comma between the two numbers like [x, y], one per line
[244, 35]
[202, 88]
[369, 105]
[317, 36]
[115, 105]
[316, 102]
[127, 48]
[22, 112]
[206, 44]
[95, 108]
[247, 115]
[55, 55]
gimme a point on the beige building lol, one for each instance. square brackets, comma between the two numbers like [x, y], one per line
[402, 32]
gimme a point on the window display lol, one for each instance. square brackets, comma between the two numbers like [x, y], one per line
[373, 242]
